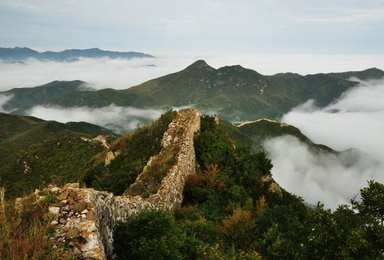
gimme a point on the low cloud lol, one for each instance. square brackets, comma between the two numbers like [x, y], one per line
[329, 178]
[3, 100]
[355, 121]
[99, 73]
[113, 117]
[122, 73]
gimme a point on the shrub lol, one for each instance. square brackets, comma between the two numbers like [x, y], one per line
[153, 235]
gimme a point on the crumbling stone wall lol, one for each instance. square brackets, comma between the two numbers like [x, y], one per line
[103, 209]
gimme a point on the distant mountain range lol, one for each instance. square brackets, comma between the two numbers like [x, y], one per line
[232, 92]
[18, 54]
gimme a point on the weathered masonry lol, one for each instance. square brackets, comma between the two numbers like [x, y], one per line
[102, 209]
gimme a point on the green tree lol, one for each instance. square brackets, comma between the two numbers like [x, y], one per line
[154, 235]
[371, 210]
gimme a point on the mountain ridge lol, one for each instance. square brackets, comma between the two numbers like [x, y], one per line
[19, 54]
[23, 97]
[232, 92]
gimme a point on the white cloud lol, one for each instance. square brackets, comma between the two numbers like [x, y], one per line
[113, 117]
[354, 121]
[331, 179]
[99, 73]
[122, 74]
[359, 122]
[367, 98]
[3, 100]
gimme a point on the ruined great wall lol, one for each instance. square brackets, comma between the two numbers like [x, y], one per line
[92, 214]
[83, 218]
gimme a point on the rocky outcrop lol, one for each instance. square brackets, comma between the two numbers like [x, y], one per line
[110, 156]
[93, 214]
[101, 139]
[273, 186]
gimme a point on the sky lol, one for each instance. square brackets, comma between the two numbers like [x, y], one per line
[197, 27]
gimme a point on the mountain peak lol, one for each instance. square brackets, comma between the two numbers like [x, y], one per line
[374, 69]
[200, 65]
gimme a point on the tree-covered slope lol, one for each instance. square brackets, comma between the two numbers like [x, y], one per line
[24, 98]
[254, 133]
[232, 209]
[35, 153]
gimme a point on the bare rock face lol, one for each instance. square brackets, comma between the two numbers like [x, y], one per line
[86, 217]
[101, 139]
[110, 156]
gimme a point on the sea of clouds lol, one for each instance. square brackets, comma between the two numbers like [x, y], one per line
[355, 121]
[114, 117]
[123, 73]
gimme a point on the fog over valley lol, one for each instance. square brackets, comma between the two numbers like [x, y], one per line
[355, 121]
[123, 73]
[119, 119]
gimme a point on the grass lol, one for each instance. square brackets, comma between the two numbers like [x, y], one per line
[152, 176]
[53, 161]
[24, 233]
[53, 152]
[135, 149]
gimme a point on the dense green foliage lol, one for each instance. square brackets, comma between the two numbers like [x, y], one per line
[229, 212]
[154, 235]
[371, 212]
[135, 150]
